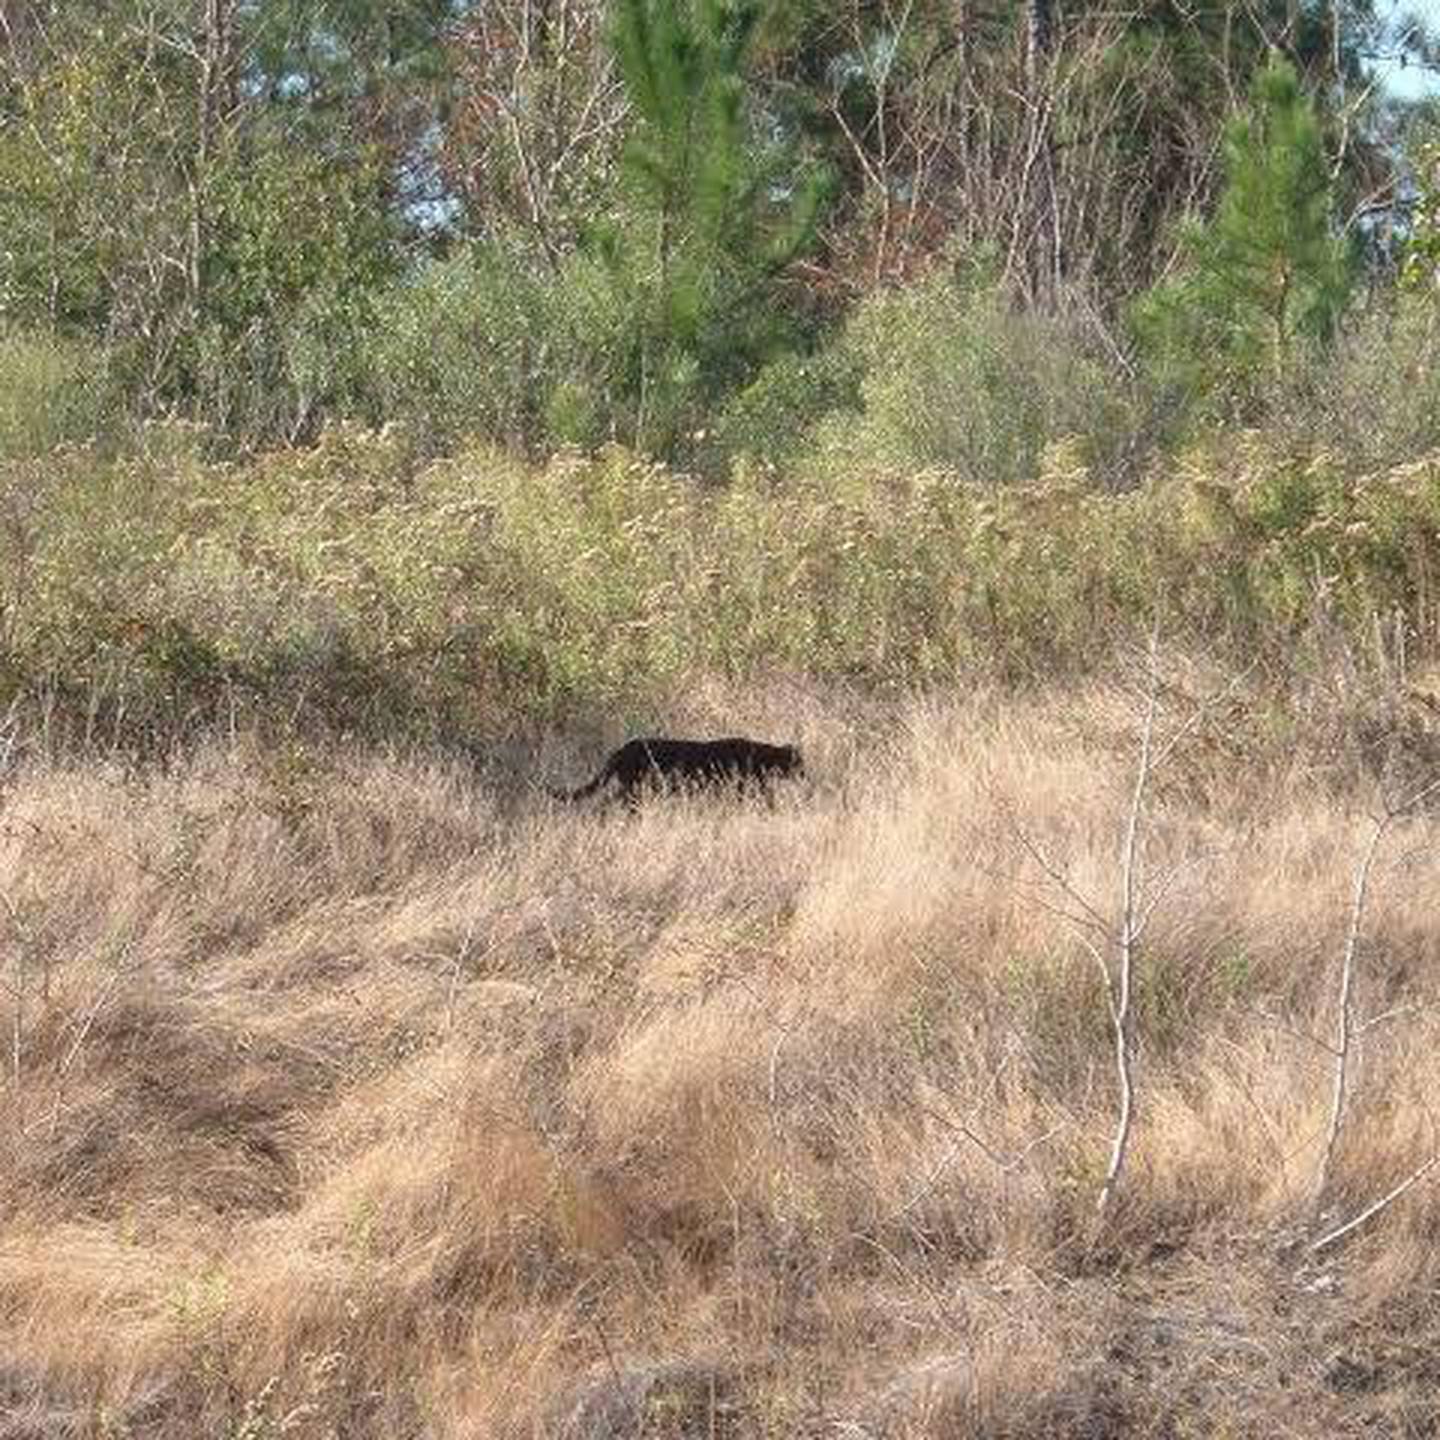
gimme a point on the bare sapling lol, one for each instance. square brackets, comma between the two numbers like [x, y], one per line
[1348, 1030]
[1113, 939]
[1119, 985]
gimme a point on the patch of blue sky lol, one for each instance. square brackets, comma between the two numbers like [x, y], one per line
[1406, 76]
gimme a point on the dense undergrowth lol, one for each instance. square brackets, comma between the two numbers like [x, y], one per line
[154, 592]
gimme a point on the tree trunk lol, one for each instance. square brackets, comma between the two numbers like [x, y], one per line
[216, 103]
[1043, 258]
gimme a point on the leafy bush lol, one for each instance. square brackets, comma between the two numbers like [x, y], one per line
[773, 418]
[601, 388]
[286, 302]
[954, 376]
[631, 366]
[463, 348]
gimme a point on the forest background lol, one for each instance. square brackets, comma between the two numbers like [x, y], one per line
[816, 259]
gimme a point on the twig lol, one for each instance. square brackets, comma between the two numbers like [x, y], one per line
[1335, 1236]
[1400, 1012]
[18, 989]
[81, 1033]
[1319, 1042]
[1077, 918]
[1005, 1166]
[1161, 892]
[1240, 1082]
[1058, 876]
[1200, 712]
[9, 738]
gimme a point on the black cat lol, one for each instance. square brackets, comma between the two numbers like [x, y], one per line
[658, 763]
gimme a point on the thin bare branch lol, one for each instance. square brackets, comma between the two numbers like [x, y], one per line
[1400, 1012]
[1034, 889]
[1054, 873]
[1334, 1237]
[1106, 979]
[1201, 712]
[1319, 1042]
[1163, 886]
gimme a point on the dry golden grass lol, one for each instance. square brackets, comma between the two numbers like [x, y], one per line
[349, 1095]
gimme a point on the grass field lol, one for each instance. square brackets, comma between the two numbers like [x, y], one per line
[352, 1092]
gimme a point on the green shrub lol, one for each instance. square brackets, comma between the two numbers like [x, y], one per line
[462, 595]
[463, 348]
[774, 417]
[1420, 271]
[954, 376]
[300, 245]
[601, 389]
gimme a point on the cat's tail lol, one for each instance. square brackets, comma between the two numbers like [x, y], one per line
[583, 792]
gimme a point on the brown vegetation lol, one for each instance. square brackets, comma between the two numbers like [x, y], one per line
[351, 1097]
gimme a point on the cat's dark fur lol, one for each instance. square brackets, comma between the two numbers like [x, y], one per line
[660, 763]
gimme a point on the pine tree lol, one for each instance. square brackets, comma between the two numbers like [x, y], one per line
[709, 215]
[1268, 273]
